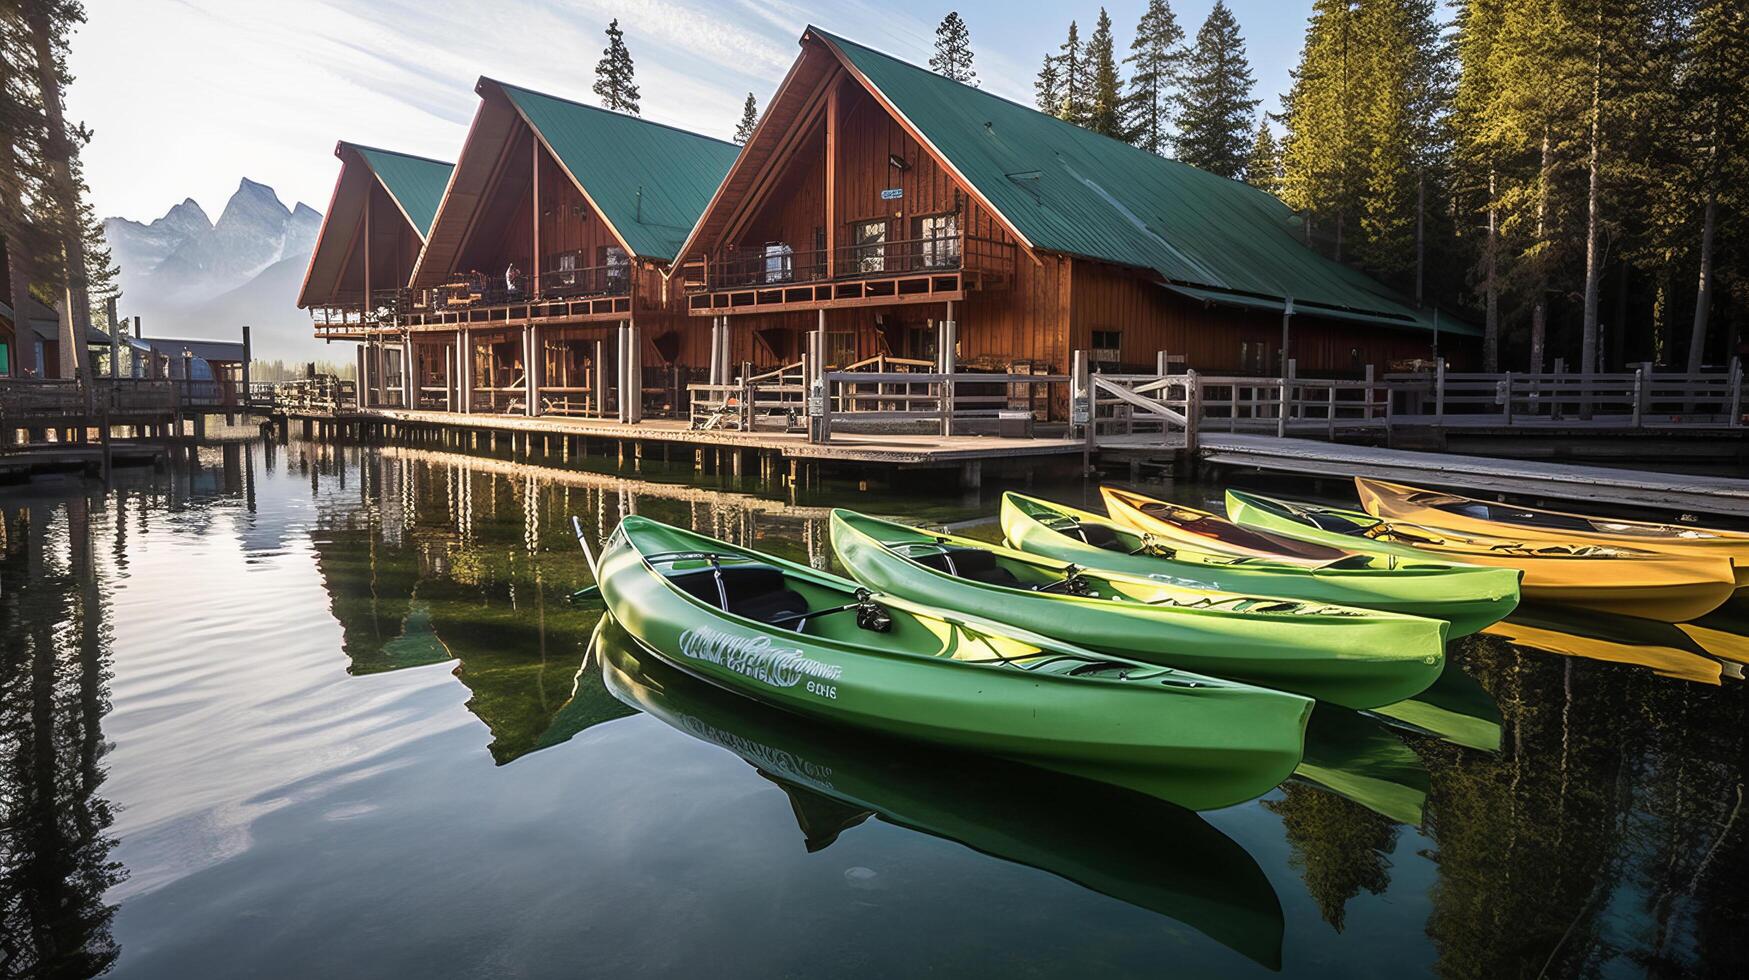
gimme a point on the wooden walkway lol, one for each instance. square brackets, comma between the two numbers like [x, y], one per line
[1604, 485]
[882, 448]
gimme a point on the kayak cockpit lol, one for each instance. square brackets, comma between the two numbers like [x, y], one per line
[759, 591]
[990, 568]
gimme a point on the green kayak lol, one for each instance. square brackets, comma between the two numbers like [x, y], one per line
[1469, 597]
[815, 644]
[1143, 851]
[1358, 658]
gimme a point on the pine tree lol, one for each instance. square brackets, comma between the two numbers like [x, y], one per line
[614, 74]
[1074, 86]
[1480, 156]
[1215, 108]
[1048, 87]
[1718, 107]
[1320, 154]
[1263, 166]
[1104, 95]
[1157, 55]
[953, 50]
[749, 120]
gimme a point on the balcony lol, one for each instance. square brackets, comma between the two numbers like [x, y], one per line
[353, 316]
[776, 278]
[565, 290]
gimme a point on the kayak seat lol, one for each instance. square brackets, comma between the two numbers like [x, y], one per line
[975, 564]
[757, 592]
[1100, 536]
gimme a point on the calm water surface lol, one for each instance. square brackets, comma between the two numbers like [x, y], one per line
[312, 710]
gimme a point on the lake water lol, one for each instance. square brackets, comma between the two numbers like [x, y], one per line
[302, 709]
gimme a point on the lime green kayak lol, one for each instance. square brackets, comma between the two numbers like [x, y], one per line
[1468, 597]
[815, 644]
[839, 779]
[1358, 658]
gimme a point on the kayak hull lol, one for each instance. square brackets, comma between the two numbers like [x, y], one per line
[1662, 587]
[1355, 658]
[1468, 597]
[1226, 742]
[1394, 501]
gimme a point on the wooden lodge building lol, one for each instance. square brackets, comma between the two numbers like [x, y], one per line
[906, 217]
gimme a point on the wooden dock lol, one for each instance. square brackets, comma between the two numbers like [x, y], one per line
[1530, 478]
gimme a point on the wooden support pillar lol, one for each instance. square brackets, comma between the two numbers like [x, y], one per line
[598, 382]
[465, 374]
[409, 374]
[948, 354]
[532, 359]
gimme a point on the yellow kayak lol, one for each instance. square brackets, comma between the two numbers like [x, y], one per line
[1394, 501]
[1212, 534]
[1625, 581]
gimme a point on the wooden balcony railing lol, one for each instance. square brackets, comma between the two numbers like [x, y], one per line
[751, 269]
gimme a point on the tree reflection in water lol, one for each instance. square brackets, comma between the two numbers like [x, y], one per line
[54, 662]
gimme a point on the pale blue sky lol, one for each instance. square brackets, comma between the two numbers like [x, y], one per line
[187, 96]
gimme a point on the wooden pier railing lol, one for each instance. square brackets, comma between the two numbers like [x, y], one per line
[1177, 407]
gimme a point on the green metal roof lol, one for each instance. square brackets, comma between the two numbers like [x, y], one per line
[650, 181]
[1066, 189]
[415, 182]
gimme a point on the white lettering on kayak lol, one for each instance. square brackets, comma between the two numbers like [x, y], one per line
[758, 658]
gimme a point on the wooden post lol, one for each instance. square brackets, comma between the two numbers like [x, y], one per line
[1555, 403]
[531, 365]
[1192, 412]
[716, 365]
[1082, 404]
[1439, 388]
[1284, 398]
[1369, 392]
[949, 362]
[409, 376]
[1736, 391]
[1639, 394]
[1287, 315]
[1330, 413]
[465, 371]
[598, 384]
[1506, 396]
[248, 354]
[363, 358]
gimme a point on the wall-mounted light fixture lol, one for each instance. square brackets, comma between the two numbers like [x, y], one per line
[898, 161]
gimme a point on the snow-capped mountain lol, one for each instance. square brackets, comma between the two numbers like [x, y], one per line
[186, 275]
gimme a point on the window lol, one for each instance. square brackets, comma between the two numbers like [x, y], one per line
[869, 240]
[568, 268]
[938, 241]
[920, 342]
[614, 266]
[5, 359]
[1107, 346]
[779, 258]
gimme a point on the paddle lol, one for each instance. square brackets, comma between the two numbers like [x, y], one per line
[588, 592]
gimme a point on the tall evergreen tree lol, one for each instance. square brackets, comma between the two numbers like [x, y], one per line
[1215, 107]
[1104, 112]
[614, 74]
[1480, 156]
[1048, 86]
[953, 50]
[749, 120]
[1263, 166]
[1320, 155]
[1157, 57]
[1074, 84]
[1718, 107]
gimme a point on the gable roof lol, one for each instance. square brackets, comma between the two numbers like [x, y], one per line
[649, 181]
[416, 183]
[1065, 189]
